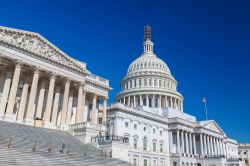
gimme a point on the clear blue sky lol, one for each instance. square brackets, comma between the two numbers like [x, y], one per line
[206, 45]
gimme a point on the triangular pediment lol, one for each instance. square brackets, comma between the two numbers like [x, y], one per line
[212, 126]
[36, 44]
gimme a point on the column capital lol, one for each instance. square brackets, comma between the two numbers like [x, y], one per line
[18, 63]
[67, 80]
[52, 75]
[36, 69]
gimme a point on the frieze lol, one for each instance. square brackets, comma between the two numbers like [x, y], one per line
[34, 43]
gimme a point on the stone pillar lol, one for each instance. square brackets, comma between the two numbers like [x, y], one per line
[178, 141]
[201, 143]
[83, 105]
[194, 143]
[129, 104]
[13, 89]
[159, 102]
[153, 101]
[217, 146]
[39, 109]
[65, 102]
[70, 104]
[50, 98]
[79, 112]
[208, 145]
[187, 144]
[147, 101]
[190, 143]
[104, 111]
[182, 141]
[141, 101]
[5, 93]
[30, 110]
[55, 106]
[134, 100]
[23, 101]
[124, 100]
[211, 145]
[221, 150]
[166, 101]
[171, 102]
[170, 141]
[205, 145]
[94, 111]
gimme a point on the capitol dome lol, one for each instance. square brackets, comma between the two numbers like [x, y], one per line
[149, 62]
[149, 82]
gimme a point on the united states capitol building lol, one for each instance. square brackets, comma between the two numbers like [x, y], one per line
[43, 87]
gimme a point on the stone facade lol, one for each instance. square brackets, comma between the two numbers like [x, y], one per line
[148, 113]
[244, 154]
[41, 85]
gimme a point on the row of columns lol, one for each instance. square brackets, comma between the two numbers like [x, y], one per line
[186, 143]
[28, 98]
[212, 146]
[159, 101]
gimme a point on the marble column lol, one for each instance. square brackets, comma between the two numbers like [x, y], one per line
[124, 100]
[182, 141]
[187, 144]
[147, 101]
[39, 109]
[141, 101]
[30, 110]
[217, 146]
[171, 102]
[5, 93]
[50, 98]
[129, 100]
[70, 104]
[56, 106]
[83, 106]
[159, 102]
[94, 111]
[104, 111]
[190, 143]
[205, 145]
[153, 101]
[79, 112]
[211, 145]
[208, 145]
[178, 141]
[201, 143]
[170, 141]
[134, 101]
[166, 101]
[13, 89]
[65, 102]
[23, 101]
[194, 143]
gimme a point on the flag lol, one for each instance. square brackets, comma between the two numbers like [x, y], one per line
[204, 100]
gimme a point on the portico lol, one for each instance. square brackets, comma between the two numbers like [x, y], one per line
[40, 82]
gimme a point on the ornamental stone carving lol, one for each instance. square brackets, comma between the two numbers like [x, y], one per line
[34, 43]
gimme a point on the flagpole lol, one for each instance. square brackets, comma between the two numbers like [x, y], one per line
[206, 109]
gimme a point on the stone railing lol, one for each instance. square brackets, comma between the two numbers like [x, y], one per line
[137, 110]
[179, 120]
[96, 78]
[87, 125]
[107, 139]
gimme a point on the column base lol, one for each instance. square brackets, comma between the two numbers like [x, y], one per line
[29, 122]
[48, 125]
[9, 118]
[22, 121]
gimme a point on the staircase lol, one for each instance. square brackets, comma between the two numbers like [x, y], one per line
[27, 145]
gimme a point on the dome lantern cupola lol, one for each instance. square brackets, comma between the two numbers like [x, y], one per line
[148, 44]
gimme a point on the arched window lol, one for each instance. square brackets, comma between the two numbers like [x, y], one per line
[150, 82]
[145, 82]
[139, 82]
[145, 143]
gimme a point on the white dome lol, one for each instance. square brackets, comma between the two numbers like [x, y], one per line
[148, 62]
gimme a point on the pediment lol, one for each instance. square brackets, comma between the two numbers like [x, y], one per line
[212, 126]
[36, 44]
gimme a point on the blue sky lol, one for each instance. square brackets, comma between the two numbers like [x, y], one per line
[206, 45]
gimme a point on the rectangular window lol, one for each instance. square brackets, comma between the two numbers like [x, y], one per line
[161, 148]
[160, 132]
[145, 162]
[126, 124]
[135, 143]
[135, 162]
[154, 163]
[154, 146]
[135, 126]
[161, 163]
[153, 130]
